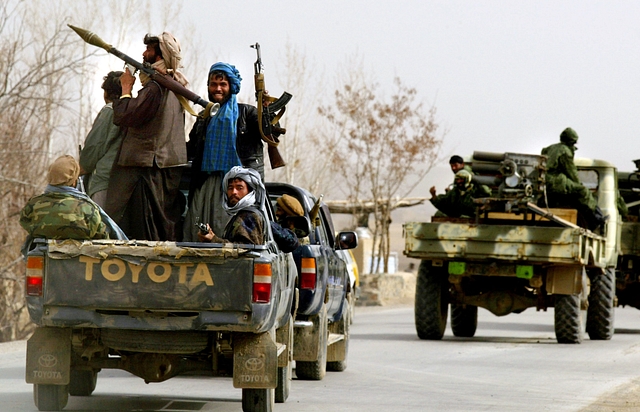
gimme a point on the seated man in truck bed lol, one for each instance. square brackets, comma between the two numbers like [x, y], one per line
[458, 202]
[63, 212]
[244, 201]
[564, 188]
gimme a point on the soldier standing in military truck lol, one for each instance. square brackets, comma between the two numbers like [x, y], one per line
[458, 202]
[563, 185]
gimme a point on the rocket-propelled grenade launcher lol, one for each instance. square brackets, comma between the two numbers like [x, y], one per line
[164, 80]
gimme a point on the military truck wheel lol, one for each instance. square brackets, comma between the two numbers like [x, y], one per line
[568, 319]
[431, 302]
[600, 314]
[316, 370]
[341, 327]
[50, 397]
[82, 382]
[257, 400]
[464, 320]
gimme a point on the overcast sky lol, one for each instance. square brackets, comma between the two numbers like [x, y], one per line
[504, 75]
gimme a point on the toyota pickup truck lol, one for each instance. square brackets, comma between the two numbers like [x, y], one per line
[160, 310]
[321, 327]
[517, 253]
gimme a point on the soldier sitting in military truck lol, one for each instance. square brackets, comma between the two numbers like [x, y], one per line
[564, 188]
[63, 212]
[458, 202]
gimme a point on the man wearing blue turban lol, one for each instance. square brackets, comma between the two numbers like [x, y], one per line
[230, 138]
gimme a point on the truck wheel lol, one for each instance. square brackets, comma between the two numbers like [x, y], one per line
[285, 373]
[50, 397]
[257, 400]
[464, 320]
[431, 303]
[341, 327]
[568, 319]
[601, 312]
[315, 370]
[82, 382]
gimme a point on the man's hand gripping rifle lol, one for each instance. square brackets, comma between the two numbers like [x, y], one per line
[270, 110]
[164, 80]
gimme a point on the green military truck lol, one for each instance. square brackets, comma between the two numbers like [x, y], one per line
[628, 269]
[517, 253]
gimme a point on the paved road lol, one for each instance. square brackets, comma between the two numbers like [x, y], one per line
[513, 364]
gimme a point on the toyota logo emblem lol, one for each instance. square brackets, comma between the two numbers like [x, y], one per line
[254, 364]
[48, 361]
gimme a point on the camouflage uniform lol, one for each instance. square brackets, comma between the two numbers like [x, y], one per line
[563, 184]
[246, 227]
[62, 216]
[458, 202]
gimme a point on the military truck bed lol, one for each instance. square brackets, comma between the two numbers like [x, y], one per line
[533, 244]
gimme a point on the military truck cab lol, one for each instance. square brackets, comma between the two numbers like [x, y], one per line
[517, 253]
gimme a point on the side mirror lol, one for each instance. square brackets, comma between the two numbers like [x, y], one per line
[346, 240]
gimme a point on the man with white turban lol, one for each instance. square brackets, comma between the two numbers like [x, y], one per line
[244, 201]
[143, 195]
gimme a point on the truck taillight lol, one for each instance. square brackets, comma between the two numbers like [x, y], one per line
[35, 267]
[308, 273]
[261, 282]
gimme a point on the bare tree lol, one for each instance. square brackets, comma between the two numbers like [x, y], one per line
[386, 147]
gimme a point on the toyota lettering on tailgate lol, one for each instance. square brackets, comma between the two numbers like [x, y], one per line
[115, 270]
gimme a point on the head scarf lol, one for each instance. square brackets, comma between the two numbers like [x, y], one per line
[171, 59]
[64, 171]
[254, 198]
[220, 153]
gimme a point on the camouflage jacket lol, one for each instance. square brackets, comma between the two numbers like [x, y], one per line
[456, 203]
[560, 162]
[62, 216]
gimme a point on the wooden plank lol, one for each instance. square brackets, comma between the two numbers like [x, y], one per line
[570, 215]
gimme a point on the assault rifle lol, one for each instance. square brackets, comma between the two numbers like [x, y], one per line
[269, 114]
[166, 81]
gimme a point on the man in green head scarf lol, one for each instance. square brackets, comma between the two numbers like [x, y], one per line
[564, 187]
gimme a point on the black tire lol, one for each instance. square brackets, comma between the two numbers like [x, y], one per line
[431, 302]
[285, 373]
[600, 315]
[257, 400]
[50, 397]
[464, 320]
[568, 319]
[341, 327]
[82, 382]
[316, 370]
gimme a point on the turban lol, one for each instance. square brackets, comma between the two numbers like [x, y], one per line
[232, 74]
[171, 56]
[64, 171]
[290, 205]
[252, 178]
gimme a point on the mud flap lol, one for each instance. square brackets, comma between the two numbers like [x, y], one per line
[255, 361]
[49, 356]
[284, 335]
[565, 280]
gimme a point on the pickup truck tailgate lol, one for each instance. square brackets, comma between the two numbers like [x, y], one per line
[154, 276]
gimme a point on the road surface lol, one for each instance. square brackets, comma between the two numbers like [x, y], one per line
[513, 364]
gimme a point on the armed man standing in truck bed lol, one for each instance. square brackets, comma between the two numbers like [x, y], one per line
[143, 195]
[230, 138]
